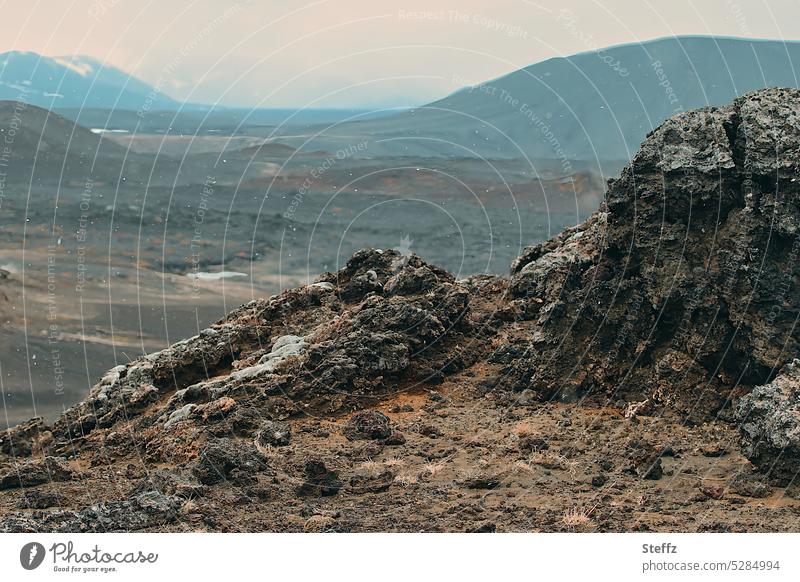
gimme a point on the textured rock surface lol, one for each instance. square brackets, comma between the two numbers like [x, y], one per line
[36, 472]
[769, 418]
[683, 287]
[678, 297]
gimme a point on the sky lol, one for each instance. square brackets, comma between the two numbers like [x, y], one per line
[358, 53]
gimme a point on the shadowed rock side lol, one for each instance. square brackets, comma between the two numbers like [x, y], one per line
[658, 313]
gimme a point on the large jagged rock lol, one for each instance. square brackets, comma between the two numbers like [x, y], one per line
[769, 420]
[682, 290]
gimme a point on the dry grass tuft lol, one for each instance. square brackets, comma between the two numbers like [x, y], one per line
[406, 479]
[576, 518]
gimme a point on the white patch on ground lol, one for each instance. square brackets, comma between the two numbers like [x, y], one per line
[101, 130]
[215, 276]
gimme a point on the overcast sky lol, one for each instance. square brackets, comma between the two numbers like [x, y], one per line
[358, 53]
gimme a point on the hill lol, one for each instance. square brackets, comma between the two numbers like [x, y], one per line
[596, 106]
[40, 141]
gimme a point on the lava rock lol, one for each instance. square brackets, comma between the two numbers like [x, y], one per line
[483, 482]
[274, 433]
[644, 277]
[530, 444]
[750, 486]
[319, 480]
[769, 424]
[169, 482]
[368, 424]
[38, 499]
[395, 439]
[36, 472]
[222, 459]
[712, 491]
[367, 483]
[487, 527]
[284, 347]
[18, 441]
[143, 511]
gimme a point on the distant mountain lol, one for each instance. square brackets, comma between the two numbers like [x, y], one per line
[42, 145]
[74, 82]
[596, 105]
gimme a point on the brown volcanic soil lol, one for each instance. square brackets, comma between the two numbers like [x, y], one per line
[457, 445]
[595, 389]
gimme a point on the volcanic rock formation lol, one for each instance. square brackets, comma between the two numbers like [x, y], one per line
[683, 288]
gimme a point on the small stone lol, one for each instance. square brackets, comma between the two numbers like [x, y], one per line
[532, 444]
[224, 459]
[395, 439]
[367, 451]
[37, 499]
[527, 398]
[319, 524]
[750, 486]
[273, 433]
[319, 480]
[365, 483]
[179, 415]
[487, 527]
[712, 491]
[368, 424]
[483, 482]
[429, 431]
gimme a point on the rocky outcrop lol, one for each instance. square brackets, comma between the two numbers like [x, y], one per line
[681, 291]
[679, 296]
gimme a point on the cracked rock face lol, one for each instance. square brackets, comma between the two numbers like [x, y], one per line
[677, 298]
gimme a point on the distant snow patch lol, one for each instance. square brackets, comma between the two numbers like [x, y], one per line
[83, 69]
